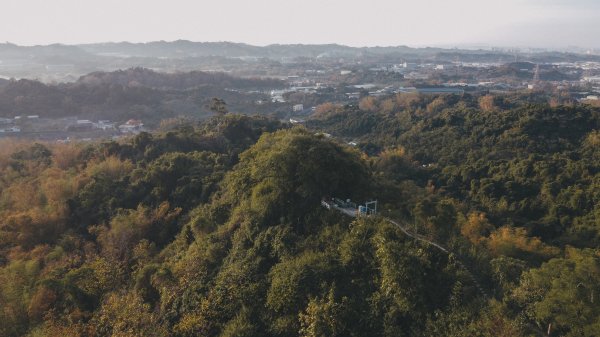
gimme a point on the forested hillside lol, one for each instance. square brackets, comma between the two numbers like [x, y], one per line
[526, 165]
[133, 93]
[217, 229]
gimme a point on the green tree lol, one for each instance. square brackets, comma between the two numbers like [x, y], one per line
[218, 106]
[562, 295]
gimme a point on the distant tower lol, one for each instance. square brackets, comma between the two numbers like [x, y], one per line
[536, 74]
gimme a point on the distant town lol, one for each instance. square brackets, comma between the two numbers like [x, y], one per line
[82, 92]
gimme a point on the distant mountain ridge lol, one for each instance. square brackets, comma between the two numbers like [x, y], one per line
[66, 63]
[186, 49]
[232, 49]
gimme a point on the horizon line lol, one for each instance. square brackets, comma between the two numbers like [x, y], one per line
[448, 46]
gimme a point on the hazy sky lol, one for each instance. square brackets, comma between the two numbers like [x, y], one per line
[552, 23]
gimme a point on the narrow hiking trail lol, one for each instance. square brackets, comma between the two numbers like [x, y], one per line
[421, 238]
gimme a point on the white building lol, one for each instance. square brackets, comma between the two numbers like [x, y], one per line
[298, 107]
[12, 129]
[105, 125]
[132, 126]
[593, 79]
[81, 125]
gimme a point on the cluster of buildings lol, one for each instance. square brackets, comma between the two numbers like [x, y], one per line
[87, 125]
[60, 127]
[132, 126]
[7, 128]
[13, 125]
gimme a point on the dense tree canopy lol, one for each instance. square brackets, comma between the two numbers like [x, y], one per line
[216, 229]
